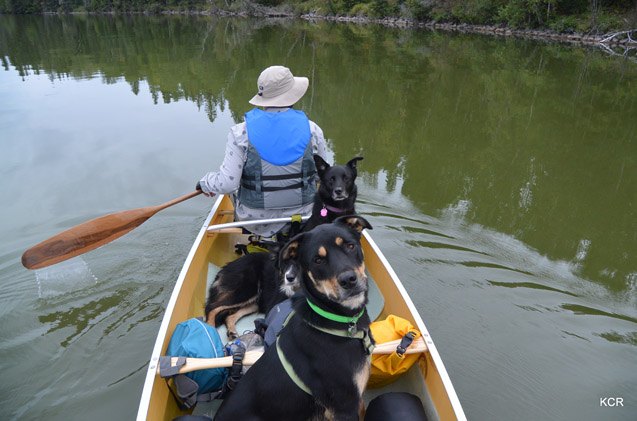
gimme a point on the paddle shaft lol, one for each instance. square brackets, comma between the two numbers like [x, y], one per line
[92, 234]
[193, 364]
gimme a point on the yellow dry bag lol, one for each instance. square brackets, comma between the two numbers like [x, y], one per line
[387, 368]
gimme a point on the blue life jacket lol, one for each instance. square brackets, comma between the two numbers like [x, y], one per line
[279, 171]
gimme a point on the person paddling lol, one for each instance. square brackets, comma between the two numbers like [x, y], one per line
[268, 165]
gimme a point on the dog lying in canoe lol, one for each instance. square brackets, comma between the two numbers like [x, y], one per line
[336, 195]
[254, 282]
[320, 364]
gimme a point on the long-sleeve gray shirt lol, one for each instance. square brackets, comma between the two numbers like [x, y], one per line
[228, 178]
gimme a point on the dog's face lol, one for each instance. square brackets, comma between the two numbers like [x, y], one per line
[290, 277]
[330, 259]
[337, 181]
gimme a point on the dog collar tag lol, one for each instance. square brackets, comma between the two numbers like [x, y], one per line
[324, 212]
[351, 330]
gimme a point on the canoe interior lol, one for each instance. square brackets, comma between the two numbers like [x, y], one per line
[213, 250]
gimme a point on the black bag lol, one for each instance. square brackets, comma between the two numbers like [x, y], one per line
[395, 406]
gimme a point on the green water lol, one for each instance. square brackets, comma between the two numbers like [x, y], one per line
[500, 176]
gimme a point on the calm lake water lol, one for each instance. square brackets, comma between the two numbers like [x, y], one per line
[500, 176]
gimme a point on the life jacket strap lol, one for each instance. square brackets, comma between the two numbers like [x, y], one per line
[281, 176]
[259, 187]
[235, 373]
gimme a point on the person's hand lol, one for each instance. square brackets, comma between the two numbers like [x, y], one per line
[198, 188]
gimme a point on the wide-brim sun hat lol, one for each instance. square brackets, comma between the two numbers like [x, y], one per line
[278, 87]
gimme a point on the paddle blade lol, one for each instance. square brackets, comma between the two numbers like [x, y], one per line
[92, 234]
[85, 237]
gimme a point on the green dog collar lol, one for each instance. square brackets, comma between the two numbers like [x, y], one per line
[334, 317]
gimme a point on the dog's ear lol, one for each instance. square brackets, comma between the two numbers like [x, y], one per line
[352, 162]
[274, 250]
[321, 165]
[354, 222]
[290, 250]
[273, 256]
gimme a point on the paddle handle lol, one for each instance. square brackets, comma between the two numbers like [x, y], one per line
[418, 346]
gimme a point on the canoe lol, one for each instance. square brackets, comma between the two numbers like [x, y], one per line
[428, 379]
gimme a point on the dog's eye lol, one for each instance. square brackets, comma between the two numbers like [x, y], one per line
[350, 246]
[319, 260]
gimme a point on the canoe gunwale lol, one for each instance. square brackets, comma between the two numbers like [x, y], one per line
[432, 351]
[151, 373]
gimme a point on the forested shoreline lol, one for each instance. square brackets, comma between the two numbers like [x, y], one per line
[559, 16]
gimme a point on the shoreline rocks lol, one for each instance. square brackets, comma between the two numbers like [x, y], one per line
[538, 34]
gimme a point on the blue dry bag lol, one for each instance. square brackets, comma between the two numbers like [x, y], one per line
[196, 339]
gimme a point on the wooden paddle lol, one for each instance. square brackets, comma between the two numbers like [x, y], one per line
[418, 346]
[91, 234]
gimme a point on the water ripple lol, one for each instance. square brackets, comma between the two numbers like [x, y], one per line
[531, 285]
[416, 230]
[395, 216]
[434, 245]
[628, 338]
[83, 318]
[475, 264]
[589, 311]
[152, 311]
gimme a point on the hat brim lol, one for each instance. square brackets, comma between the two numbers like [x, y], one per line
[291, 97]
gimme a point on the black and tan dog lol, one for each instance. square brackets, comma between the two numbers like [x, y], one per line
[336, 195]
[254, 282]
[320, 364]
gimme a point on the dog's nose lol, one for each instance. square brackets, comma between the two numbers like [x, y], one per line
[290, 277]
[347, 279]
[338, 190]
